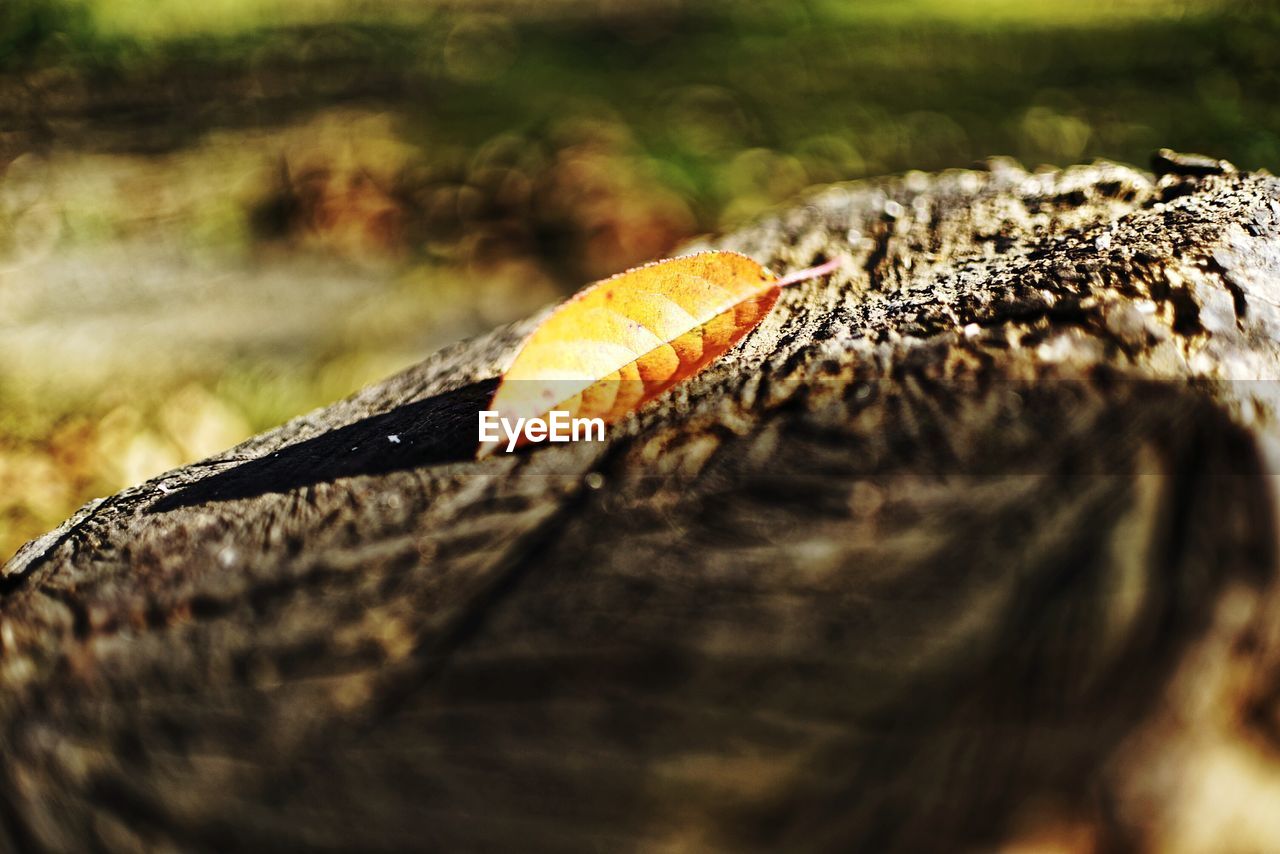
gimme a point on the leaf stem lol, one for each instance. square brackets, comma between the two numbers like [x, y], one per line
[811, 273]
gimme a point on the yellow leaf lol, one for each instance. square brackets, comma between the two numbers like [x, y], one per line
[623, 341]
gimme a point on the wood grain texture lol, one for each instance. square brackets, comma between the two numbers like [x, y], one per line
[972, 544]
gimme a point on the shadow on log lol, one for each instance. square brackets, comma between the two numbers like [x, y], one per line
[435, 431]
[972, 545]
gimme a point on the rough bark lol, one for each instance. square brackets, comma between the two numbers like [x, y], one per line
[973, 542]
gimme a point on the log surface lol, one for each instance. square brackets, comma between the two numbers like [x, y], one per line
[971, 543]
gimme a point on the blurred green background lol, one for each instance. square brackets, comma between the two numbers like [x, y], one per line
[217, 215]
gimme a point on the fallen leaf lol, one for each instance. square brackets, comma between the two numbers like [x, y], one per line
[621, 342]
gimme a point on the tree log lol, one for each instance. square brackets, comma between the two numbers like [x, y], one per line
[970, 544]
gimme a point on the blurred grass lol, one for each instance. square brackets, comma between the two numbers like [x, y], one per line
[214, 216]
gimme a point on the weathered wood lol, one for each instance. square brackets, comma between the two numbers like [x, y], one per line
[975, 541]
